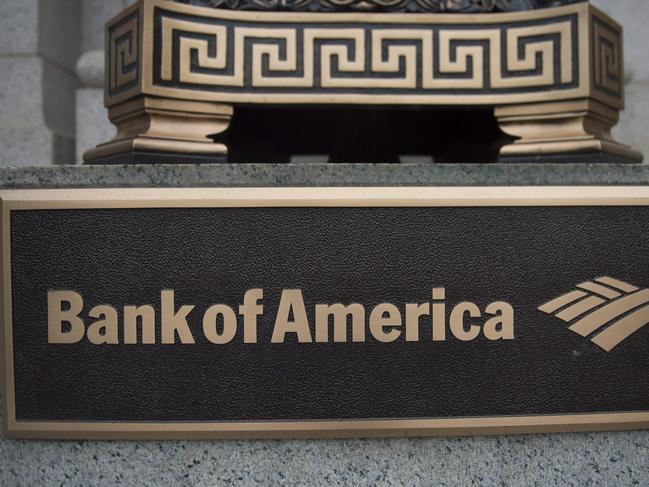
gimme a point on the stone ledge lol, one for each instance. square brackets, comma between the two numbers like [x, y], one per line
[323, 175]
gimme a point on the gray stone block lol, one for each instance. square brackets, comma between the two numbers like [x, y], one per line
[40, 40]
[59, 32]
[603, 459]
[59, 89]
[37, 118]
[18, 27]
[21, 100]
[93, 126]
[319, 174]
[19, 146]
[95, 14]
[47, 28]
[634, 120]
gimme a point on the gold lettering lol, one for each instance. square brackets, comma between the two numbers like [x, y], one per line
[104, 330]
[229, 324]
[291, 300]
[131, 314]
[439, 315]
[340, 314]
[457, 322]
[251, 309]
[56, 317]
[173, 322]
[378, 322]
[413, 313]
[501, 326]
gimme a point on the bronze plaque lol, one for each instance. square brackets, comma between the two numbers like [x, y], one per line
[281, 312]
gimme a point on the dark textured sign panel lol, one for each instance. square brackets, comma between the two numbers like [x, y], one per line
[324, 312]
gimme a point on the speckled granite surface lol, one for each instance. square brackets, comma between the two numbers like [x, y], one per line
[323, 174]
[614, 460]
[606, 459]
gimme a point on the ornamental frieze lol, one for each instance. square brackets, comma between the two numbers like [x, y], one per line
[447, 6]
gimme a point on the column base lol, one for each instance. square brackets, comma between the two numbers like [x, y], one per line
[157, 130]
[573, 131]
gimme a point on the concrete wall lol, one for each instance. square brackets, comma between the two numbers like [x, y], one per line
[39, 47]
[51, 60]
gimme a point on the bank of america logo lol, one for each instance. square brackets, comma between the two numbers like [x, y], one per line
[610, 309]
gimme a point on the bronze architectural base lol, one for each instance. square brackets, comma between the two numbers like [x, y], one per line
[175, 73]
[562, 131]
[151, 129]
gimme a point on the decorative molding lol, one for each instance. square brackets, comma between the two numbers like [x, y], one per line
[168, 49]
[335, 58]
[124, 55]
[446, 6]
[607, 61]
[231, 56]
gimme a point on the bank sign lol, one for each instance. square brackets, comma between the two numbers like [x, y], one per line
[281, 312]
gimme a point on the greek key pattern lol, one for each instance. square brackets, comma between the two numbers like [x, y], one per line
[166, 49]
[607, 62]
[123, 46]
[378, 59]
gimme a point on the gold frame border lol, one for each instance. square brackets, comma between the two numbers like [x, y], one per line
[16, 200]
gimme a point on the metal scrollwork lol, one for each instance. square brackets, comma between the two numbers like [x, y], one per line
[448, 6]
